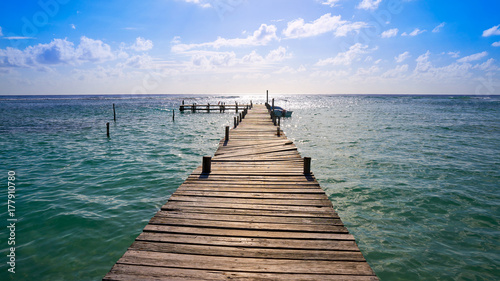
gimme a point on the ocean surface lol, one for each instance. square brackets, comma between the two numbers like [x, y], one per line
[416, 179]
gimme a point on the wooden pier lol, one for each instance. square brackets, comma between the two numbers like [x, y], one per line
[251, 212]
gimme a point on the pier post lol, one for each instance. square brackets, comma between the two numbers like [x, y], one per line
[227, 133]
[267, 96]
[114, 113]
[236, 107]
[279, 133]
[193, 108]
[241, 117]
[235, 122]
[173, 114]
[251, 104]
[207, 165]
[208, 108]
[279, 121]
[307, 165]
[273, 105]
[107, 129]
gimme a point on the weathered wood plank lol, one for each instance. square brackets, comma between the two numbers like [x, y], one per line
[244, 264]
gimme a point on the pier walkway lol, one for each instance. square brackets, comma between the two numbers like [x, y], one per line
[255, 216]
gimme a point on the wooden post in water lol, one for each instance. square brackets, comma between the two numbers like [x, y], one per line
[114, 113]
[236, 106]
[307, 165]
[208, 108]
[207, 165]
[227, 133]
[107, 129]
[193, 109]
[173, 114]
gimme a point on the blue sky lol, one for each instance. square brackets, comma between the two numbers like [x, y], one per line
[243, 46]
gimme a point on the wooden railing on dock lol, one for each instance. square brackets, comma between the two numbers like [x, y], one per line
[214, 107]
[251, 212]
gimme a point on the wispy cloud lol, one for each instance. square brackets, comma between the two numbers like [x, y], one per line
[18, 37]
[473, 57]
[492, 31]
[331, 3]
[496, 44]
[72, 26]
[262, 36]
[438, 28]
[390, 33]
[347, 57]
[1, 34]
[203, 4]
[326, 23]
[402, 57]
[415, 32]
[369, 4]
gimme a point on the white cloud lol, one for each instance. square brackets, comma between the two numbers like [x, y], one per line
[331, 3]
[492, 31]
[213, 60]
[93, 50]
[73, 26]
[487, 66]
[423, 63]
[415, 32]
[139, 61]
[57, 52]
[438, 28]
[402, 57]
[253, 57]
[1, 34]
[347, 57]
[142, 44]
[390, 33]
[454, 54]
[278, 54]
[397, 72]
[326, 23]
[473, 57]
[262, 36]
[368, 71]
[496, 44]
[369, 4]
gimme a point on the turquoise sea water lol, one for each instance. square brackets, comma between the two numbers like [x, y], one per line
[416, 179]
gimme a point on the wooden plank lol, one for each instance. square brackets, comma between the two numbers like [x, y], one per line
[328, 228]
[245, 252]
[242, 232]
[126, 272]
[250, 218]
[345, 242]
[244, 264]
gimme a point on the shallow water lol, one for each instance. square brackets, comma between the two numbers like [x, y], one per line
[414, 178]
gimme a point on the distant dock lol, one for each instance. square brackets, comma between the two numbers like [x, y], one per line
[214, 107]
[253, 211]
